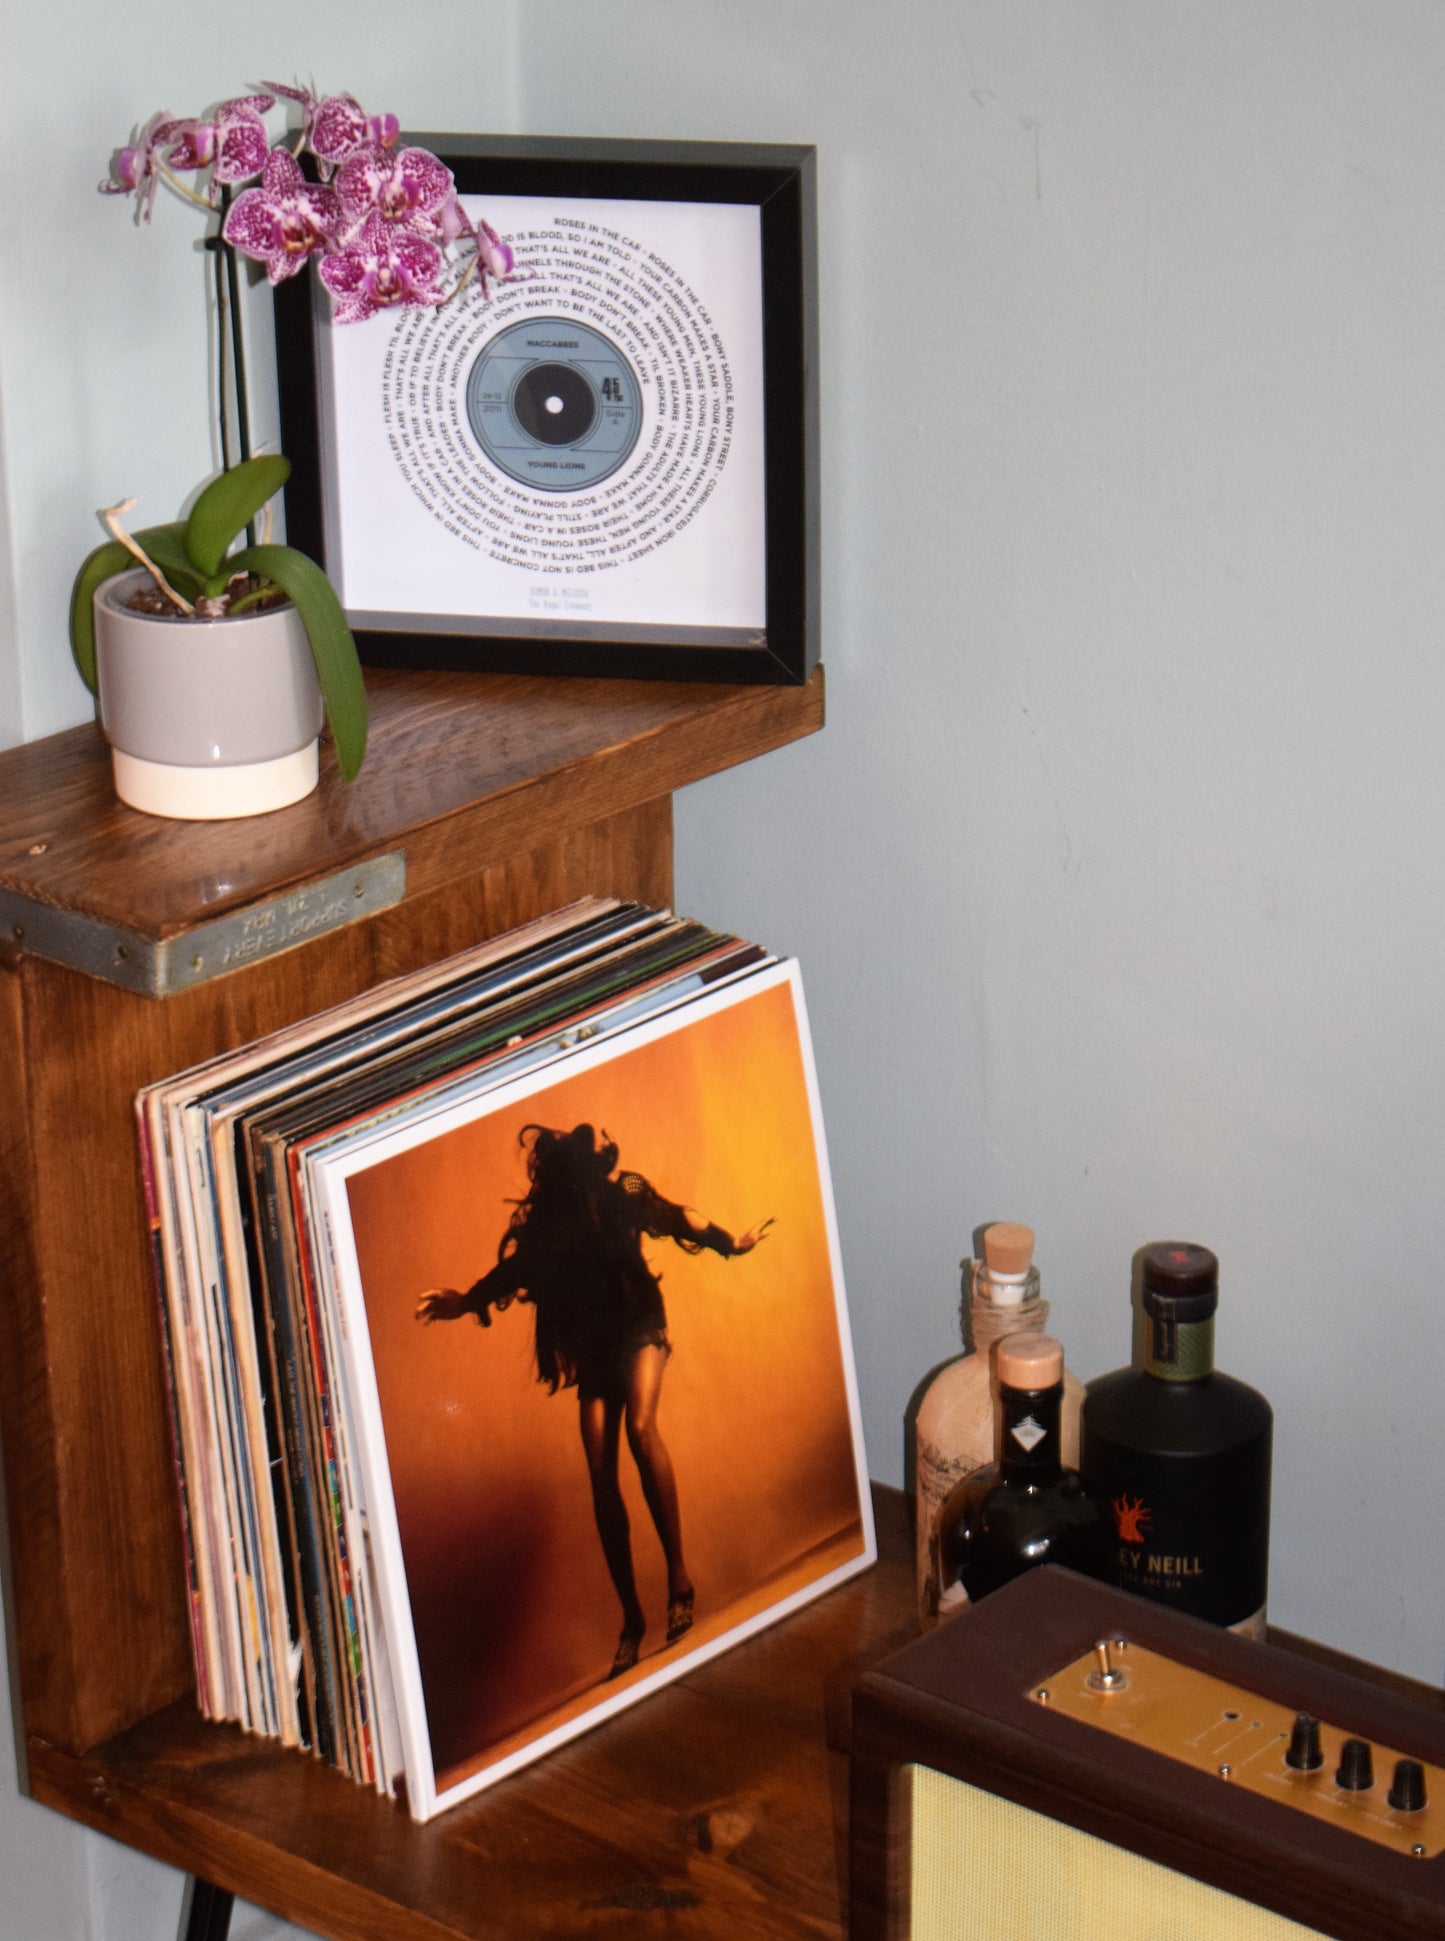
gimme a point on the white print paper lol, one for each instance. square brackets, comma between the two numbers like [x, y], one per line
[665, 530]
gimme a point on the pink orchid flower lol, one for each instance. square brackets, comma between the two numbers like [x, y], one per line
[187, 144]
[382, 220]
[453, 222]
[495, 258]
[284, 222]
[337, 126]
[383, 264]
[333, 127]
[133, 169]
[233, 144]
[341, 125]
[242, 143]
[409, 188]
[234, 140]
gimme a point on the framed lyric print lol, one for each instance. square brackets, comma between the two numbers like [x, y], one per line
[606, 466]
[547, 1486]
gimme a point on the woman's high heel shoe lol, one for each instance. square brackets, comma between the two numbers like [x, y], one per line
[679, 1616]
[625, 1656]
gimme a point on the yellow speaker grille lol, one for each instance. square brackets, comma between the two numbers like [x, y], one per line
[984, 1869]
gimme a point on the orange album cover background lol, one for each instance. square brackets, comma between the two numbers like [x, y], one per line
[515, 1616]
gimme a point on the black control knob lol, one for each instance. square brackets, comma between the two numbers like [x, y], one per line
[1304, 1755]
[1407, 1793]
[1357, 1766]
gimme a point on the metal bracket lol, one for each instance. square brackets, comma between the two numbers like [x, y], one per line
[160, 969]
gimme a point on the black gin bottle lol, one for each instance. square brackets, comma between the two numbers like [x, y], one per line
[1180, 1455]
[1026, 1508]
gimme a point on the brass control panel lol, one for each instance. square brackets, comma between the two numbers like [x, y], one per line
[1379, 1792]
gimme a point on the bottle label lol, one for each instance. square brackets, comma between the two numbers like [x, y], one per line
[950, 1602]
[1179, 1351]
[935, 1475]
[1192, 1533]
[1028, 1434]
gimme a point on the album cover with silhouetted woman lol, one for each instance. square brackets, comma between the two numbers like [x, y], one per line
[601, 1376]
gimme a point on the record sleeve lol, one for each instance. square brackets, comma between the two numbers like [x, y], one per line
[495, 1581]
[200, 1256]
[304, 1195]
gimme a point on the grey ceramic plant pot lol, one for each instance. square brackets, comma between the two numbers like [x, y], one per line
[206, 719]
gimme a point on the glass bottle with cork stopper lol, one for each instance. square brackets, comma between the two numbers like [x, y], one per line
[956, 1431]
[1028, 1507]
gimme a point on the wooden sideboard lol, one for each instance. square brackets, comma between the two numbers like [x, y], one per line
[132, 947]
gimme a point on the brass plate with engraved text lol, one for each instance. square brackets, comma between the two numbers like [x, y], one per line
[158, 969]
[1241, 1739]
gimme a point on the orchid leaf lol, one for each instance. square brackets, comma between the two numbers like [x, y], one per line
[110, 558]
[229, 503]
[338, 668]
[164, 544]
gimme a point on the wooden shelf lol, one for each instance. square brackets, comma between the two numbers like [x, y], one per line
[465, 770]
[715, 1810]
[712, 1811]
[485, 800]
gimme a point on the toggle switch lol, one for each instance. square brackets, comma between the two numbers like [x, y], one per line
[1106, 1675]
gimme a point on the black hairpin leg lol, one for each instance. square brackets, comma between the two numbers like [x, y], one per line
[206, 1912]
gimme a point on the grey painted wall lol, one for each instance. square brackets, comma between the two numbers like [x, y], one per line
[1114, 876]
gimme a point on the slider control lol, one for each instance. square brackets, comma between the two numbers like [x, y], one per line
[1357, 1767]
[1407, 1793]
[1304, 1755]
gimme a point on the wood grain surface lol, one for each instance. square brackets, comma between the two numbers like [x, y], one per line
[99, 1586]
[508, 796]
[463, 770]
[714, 1810]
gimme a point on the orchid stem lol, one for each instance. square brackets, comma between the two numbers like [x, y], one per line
[175, 183]
[228, 324]
[111, 517]
[462, 281]
[238, 356]
[213, 243]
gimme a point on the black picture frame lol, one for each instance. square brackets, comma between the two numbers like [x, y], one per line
[780, 181]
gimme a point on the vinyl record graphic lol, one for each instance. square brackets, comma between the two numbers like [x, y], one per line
[573, 425]
[554, 404]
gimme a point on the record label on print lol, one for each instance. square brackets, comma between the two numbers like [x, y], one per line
[554, 404]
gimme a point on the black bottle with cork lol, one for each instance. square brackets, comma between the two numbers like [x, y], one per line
[1025, 1508]
[1179, 1454]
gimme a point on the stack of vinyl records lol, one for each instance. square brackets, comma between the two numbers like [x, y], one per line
[507, 1345]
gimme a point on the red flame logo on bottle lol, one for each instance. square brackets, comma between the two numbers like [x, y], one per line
[1130, 1518]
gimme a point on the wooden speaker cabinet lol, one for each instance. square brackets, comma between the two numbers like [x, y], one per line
[1064, 1762]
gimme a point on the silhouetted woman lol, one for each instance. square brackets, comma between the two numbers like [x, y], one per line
[573, 1252]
